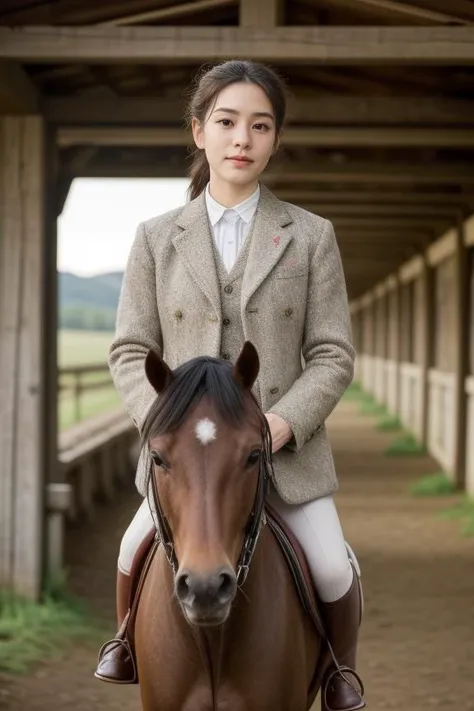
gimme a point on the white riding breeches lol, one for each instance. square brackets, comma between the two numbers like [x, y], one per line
[315, 524]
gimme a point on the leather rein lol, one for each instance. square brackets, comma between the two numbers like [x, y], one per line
[255, 523]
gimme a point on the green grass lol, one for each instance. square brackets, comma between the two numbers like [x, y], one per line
[436, 484]
[404, 445]
[83, 348]
[463, 511]
[31, 632]
[389, 423]
[372, 408]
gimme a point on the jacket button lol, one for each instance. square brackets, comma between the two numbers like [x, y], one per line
[274, 391]
[228, 289]
[289, 312]
[226, 321]
[178, 314]
[226, 356]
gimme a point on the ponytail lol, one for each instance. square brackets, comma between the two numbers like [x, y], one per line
[199, 173]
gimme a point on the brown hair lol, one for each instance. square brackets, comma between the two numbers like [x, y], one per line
[210, 84]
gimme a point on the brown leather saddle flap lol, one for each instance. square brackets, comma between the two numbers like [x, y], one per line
[298, 566]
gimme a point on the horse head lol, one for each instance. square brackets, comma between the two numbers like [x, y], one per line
[210, 450]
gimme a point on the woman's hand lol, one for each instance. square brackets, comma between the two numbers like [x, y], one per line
[281, 432]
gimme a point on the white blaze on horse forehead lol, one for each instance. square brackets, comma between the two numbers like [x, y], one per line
[206, 431]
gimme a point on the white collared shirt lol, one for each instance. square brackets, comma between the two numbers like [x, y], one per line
[231, 226]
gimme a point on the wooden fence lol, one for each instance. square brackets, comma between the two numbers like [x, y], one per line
[79, 380]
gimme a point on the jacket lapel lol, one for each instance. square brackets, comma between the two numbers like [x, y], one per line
[268, 242]
[194, 245]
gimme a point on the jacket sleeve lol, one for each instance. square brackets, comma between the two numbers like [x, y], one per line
[137, 330]
[326, 348]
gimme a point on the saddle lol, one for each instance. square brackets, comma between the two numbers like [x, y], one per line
[289, 546]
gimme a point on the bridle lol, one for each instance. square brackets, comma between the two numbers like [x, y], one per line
[255, 523]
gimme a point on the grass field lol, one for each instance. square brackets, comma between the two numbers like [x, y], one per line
[85, 348]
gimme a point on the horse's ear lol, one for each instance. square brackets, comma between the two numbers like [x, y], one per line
[247, 366]
[159, 374]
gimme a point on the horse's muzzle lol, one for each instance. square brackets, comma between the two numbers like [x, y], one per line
[206, 599]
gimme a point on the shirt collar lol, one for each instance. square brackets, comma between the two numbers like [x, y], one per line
[246, 209]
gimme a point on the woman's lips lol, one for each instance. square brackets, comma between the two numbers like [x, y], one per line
[240, 162]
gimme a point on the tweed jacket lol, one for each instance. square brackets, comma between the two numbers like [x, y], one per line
[294, 309]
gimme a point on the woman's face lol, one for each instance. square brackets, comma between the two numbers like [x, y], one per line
[238, 134]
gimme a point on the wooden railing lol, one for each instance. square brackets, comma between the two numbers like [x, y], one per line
[470, 435]
[80, 379]
[441, 417]
[96, 458]
[411, 397]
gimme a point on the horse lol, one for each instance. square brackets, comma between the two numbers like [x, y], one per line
[219, 623]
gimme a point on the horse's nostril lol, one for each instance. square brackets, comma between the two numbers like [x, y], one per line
[227, 586]
[182, 585]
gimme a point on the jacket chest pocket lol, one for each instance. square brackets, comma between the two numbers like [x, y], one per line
[289, 271]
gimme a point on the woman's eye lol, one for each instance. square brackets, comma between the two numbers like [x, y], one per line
[225, 122]
[261, 127]
[254, 457]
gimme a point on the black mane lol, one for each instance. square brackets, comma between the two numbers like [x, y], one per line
[192, 380]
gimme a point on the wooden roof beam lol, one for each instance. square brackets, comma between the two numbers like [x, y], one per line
[389, 198]
[317, 137]
[173, 12]
[324, 171]
[262, 14]
[395, 222]
[375, 209]
[318, 110]
[401, 10]
[18, 95]
[293, 45]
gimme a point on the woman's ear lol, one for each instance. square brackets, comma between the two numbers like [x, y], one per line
[198, 133]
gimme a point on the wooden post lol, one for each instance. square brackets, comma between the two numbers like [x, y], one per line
[77, 396]
[462, 355]
[22, 250]
[393, 291]
[426, 348]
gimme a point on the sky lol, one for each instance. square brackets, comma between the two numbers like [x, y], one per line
[97, 226]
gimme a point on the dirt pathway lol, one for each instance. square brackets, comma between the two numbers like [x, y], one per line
[417, 642]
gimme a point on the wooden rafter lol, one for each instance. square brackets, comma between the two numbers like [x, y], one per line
[263, 14]
[320, 137]
[403, 10]
[388, 198]
[173, 12]
[328, 45]
[319, 110]
[324, 172]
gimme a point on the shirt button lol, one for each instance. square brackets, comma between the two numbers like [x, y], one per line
[274, 391]
[226, 321]
[228, 289]
[178, 314]
[226, 356]
[288, 312]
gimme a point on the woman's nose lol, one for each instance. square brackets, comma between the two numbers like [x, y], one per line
[241, 138]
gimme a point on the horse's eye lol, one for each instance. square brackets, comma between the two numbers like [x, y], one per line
[157, 459]
[254, 457]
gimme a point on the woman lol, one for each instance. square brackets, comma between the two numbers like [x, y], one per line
[236, 263]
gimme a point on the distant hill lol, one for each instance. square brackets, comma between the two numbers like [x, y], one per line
[101, 291]
[88, 302]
